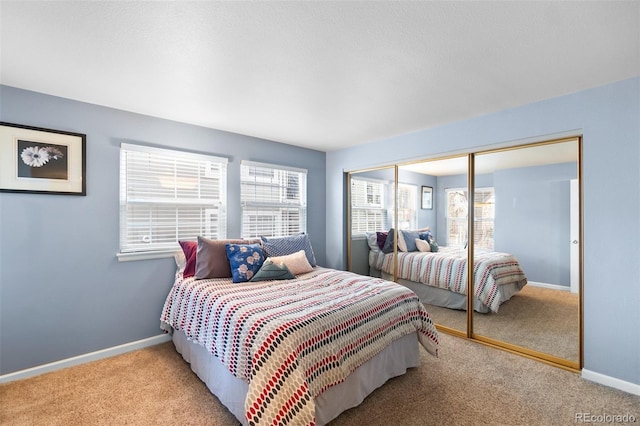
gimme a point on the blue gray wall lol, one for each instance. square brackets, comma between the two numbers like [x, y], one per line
[63, 293]
[608, 119]
[533, 219]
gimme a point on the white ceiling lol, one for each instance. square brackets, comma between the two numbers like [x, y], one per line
[317, 74]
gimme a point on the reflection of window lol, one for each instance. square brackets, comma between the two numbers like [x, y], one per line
[368, 213]
[407, 206]
[167, 195]
[274, 200]
[456, 215]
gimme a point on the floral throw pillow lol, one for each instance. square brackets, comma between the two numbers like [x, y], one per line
[245, 261]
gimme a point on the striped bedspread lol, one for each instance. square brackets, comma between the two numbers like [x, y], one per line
[291, 340]
[447, 269]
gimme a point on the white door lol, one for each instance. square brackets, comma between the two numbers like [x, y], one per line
[574, 234]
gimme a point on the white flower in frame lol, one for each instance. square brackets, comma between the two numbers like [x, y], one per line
[34, 156]
[54, 153]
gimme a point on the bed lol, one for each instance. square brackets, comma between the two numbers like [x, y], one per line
[296, 351]
[440, 278]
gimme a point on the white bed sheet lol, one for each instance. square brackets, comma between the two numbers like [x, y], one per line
[393, 361]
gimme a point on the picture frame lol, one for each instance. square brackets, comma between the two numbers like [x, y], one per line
[42, 161]
[427, 198]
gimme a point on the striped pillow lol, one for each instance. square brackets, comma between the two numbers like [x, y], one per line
[282, 246]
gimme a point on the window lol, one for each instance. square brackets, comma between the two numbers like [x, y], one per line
[274, 200]
[456, 214]
[167, 195]
[368, 213]
[407, 206]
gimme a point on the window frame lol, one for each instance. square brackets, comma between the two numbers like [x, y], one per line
[266, 174]
[208, 167]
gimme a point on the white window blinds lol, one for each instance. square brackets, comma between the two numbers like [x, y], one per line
[274, 200]
[368, 213]
[167, 195]
[407, 206]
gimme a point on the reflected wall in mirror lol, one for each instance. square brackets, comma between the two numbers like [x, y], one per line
[371, 210]
[523, 245]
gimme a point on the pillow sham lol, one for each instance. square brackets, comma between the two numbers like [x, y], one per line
[282, 246]
[271, 271]
[245, 260]
[422, 245]
[434, 246]
[211, 260]
[296, 262]
[189, 249]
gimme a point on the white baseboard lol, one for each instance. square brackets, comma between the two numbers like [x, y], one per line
[551, 286]
[612, 382]
[82, 359]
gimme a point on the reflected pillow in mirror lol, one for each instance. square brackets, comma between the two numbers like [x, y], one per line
[422, 245]
[381, 238]
[372, 241]
[388, 244]
[406, 240]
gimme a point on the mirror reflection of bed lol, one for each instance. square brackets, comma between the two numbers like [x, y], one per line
[525, 242]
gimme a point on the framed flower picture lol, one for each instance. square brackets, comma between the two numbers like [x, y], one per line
[44, 161]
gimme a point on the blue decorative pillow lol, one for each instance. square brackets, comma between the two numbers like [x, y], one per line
[272, 271]
[282, 246]
[409, 238]
[245, 261]
[427, 236]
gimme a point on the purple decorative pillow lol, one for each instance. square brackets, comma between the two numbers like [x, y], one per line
[381, 239]
[189, 248]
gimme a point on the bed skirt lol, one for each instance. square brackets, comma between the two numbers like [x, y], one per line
[447, 299]
[393, 361]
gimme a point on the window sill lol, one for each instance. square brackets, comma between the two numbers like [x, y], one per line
[144, 255]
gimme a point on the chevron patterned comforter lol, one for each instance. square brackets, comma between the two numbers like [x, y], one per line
[291, 340]
[447, 269]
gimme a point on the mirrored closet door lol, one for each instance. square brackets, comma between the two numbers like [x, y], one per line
[526, 243]
[515, 211]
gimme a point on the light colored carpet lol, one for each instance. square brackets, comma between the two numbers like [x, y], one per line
[469, 384]
[536, 318]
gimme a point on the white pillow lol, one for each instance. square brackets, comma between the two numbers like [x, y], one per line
[372, 240]
[423, 245]
[296, 262]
